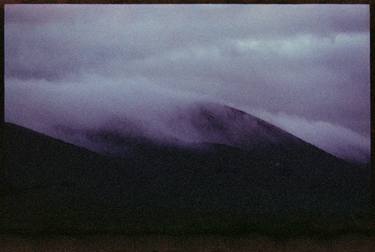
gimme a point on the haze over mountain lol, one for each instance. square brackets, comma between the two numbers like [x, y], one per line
[194, 125]
[149, 111]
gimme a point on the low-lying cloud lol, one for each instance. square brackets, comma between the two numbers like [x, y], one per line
[139, 108]
[335, 139]
[304, 68]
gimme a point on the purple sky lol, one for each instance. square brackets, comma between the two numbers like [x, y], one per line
[304, 68]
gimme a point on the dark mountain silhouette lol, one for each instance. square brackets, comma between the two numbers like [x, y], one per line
[259, 170]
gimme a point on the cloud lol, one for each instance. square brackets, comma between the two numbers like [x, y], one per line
[335, 139]
[139, 108]
[95, 103]
[309, 61]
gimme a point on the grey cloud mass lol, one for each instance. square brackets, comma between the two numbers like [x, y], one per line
[300, 67]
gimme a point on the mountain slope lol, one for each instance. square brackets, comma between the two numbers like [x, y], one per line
[49, 184]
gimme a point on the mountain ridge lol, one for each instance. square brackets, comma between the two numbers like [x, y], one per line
[200, 124]
[53, 179]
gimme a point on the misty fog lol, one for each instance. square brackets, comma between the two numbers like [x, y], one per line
[302, 68]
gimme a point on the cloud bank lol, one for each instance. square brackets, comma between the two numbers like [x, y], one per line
[304, 68]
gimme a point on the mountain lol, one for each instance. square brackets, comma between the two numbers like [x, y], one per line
[194, 125]
[236, 165]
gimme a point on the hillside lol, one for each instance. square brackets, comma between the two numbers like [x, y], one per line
[52, 185]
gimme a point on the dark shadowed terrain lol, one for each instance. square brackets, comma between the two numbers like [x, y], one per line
[276, 184]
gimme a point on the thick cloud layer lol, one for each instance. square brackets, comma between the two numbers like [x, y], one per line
[304, 68]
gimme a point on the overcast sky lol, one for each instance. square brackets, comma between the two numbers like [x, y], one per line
[305, 68]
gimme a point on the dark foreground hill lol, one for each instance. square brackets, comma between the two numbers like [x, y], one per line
[51, 186]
